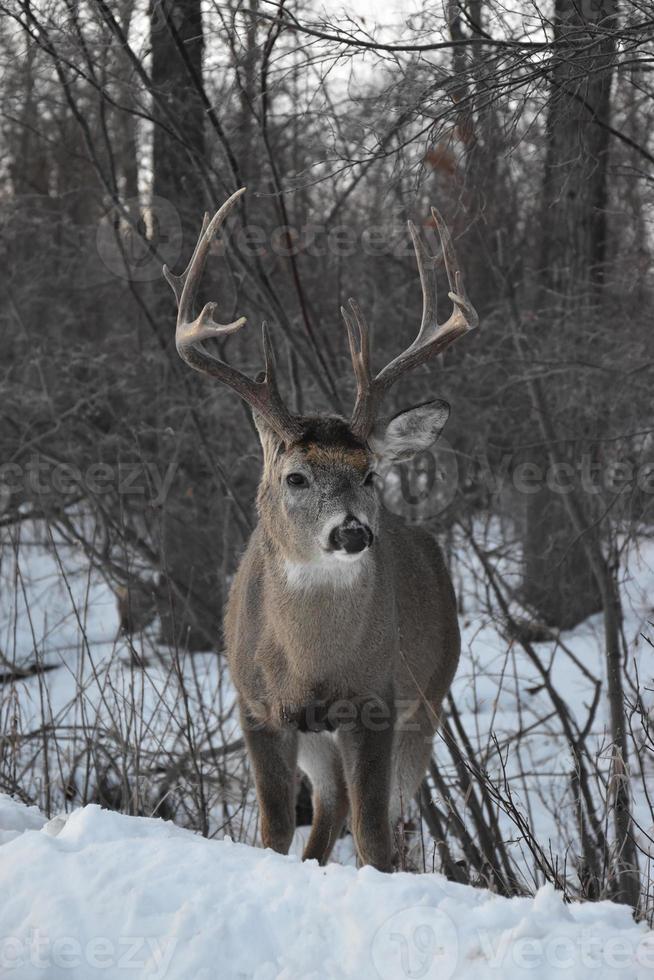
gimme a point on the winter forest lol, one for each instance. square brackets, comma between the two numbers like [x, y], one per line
[128, 483]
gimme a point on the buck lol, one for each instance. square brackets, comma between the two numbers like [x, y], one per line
[341, 625]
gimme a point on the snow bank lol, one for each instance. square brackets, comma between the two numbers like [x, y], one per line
[103, 894]
[15, 818]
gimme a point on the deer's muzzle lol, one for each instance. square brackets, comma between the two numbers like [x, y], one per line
[350, 536]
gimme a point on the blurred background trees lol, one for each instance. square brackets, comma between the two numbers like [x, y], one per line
[122, 124]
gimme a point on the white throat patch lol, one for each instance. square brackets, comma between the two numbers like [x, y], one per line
[338, 569]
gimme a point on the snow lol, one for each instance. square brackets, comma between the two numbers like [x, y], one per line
[100, 893]
[92, 891]
[15, 818]
[57, 609]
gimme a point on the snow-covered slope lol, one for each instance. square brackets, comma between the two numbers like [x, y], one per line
[113, 724]
[98, 893]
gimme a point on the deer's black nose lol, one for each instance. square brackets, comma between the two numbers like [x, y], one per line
[350, 536]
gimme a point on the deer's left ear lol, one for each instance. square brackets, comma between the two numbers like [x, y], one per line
[409, 432]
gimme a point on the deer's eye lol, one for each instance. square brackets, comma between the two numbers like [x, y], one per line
[370, 479]
[297, 480]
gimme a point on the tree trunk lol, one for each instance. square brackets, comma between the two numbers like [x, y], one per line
[567, 574]
[191, 525]
[177, 47]
[625, 881]
[558, 580]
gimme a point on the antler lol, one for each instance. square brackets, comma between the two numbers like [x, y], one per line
[262, 395]
[431, 340]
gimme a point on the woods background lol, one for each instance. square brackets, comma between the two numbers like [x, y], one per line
[530, 127]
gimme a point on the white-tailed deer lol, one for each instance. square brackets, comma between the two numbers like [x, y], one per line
[341, 625]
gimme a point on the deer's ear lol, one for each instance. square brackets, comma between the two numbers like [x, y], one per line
[270, 441]
[409, 432]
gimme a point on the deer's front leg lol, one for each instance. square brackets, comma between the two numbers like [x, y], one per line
[273, 755]
[367, 747]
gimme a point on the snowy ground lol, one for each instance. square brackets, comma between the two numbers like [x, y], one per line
[99, 893]
[211, 908]
[56, 609]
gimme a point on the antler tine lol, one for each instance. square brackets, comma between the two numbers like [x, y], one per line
[457, 291]
[270, 380]
[427, 271]
[190, 333]
[176, 283]
[432, 338]
[359, 341]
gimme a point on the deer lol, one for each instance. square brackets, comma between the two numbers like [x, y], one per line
[341, 627]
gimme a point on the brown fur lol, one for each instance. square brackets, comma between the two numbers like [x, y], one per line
[369, 654]
[339, 616]
[355, 457]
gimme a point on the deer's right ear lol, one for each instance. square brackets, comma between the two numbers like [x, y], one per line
[271, 443]
[409, 432]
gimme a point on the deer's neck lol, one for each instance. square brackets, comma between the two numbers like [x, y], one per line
[331, 575]
[322, 602]
[328, 580]
[331, 628]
